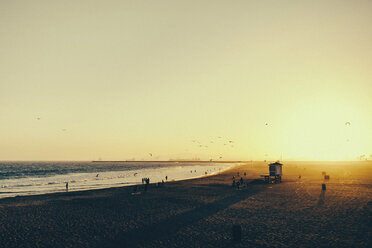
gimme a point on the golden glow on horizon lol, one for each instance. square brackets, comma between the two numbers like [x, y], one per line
[119, 79]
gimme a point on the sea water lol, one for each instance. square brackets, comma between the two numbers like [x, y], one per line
[31, 178]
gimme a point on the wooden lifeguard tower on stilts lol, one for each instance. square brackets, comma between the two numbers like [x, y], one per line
[275, 173]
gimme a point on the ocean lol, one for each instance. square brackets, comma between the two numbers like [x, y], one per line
[32, 178]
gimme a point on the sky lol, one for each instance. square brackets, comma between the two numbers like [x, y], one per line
[118, 80]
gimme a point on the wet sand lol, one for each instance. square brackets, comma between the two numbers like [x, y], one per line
[201, 212]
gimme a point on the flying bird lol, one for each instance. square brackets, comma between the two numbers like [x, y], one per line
[230, 141]
[63, 129]
[38, 118]
[347, 123]
[150, 154]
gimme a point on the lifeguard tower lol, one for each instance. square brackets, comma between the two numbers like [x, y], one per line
[275, 173]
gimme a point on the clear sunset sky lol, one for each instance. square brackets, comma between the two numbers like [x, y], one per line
[82, 80]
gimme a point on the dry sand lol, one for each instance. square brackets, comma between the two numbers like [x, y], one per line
[201, 212]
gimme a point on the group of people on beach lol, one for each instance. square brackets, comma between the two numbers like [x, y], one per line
[238, 183]
[146, 180]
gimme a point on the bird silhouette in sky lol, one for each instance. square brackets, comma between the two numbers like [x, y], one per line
[150, 154]
[38, 118]
[63, 129]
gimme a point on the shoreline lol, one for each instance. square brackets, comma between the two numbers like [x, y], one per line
[201, 212]
[92, 191]
[119, 185]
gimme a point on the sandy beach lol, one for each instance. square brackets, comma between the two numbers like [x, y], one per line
[201, 212]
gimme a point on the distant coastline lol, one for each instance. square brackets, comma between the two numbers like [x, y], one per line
[168, 161]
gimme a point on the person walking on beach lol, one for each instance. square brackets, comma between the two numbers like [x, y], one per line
[147, 182]
[66, 186]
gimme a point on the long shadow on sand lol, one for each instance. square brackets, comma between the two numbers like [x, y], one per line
[167, 228]
[321, 198]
